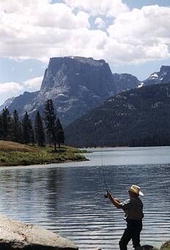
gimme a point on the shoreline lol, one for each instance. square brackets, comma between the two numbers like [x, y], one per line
[164, 246]
[15, 154]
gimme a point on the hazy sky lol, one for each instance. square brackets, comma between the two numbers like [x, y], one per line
[133, 36]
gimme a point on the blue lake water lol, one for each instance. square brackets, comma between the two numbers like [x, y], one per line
[69, 198]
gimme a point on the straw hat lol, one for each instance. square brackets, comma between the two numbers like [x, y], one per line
[136, 189]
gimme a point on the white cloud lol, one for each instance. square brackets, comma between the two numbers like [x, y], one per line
[60, 16]
[38, 29]
[9, 87]
[99, 7]
[100, 24]
[33, 84]
[141, 34]
[13, 89]
[8, 90]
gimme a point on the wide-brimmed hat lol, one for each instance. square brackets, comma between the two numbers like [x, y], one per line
[136, 189]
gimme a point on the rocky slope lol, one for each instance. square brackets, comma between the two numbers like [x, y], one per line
[139, 117]
[23, 102]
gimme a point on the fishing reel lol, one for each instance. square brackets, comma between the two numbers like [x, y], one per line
[106, 195]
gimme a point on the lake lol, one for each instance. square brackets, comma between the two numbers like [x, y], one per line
[69, 198]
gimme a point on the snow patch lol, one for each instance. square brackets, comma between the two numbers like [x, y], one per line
[140, 85]
[98, 123]
[62, 95]
[156, 105]
[131, 107]
[154, 76]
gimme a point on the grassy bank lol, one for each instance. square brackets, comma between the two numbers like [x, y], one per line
[15, 154]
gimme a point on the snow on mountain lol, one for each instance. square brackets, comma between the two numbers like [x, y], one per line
[163, 76]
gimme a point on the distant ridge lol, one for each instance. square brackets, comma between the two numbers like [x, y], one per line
[138, 117]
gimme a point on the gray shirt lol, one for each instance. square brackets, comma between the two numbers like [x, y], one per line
[133, 208]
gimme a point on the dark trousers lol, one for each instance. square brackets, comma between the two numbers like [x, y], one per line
[132, 232]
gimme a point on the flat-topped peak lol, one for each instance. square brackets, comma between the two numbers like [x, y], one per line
[79, 59]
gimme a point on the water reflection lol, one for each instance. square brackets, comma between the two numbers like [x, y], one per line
[70, 200]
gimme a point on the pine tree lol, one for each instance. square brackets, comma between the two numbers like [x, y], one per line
[28, 133]
[6, 124]
[60, 133]
[16, 128]
[39, 130]
[1, 129]
[50, 122]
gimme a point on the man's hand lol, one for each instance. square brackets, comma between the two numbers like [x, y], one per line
[107, 195]
[116, 202]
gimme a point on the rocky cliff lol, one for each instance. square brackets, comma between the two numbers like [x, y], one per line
[76, 85]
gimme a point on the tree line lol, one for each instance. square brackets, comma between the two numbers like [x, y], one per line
[41, 131]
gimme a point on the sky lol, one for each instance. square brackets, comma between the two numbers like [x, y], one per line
[133, 36]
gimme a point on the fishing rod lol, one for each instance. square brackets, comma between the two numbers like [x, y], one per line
[101, 169]
[102, 174]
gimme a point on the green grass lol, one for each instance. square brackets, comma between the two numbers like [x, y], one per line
[15, 154]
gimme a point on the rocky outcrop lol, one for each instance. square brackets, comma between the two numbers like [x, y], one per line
[17, 235]
[76, 85]
[71, 72]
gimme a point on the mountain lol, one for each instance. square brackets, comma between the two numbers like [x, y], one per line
[76, 85]
[125, 82]
[23, 102]
[138, 117]
[163, 76]
[7, 103]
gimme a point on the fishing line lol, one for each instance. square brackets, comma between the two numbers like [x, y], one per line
[103, 173]
[100, 167]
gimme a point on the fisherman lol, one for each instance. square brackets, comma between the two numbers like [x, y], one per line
[133, 208]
